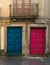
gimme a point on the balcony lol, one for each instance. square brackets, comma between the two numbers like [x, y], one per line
[24, 11]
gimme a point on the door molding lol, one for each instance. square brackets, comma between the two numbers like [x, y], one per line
[35, 26]
[23, 36]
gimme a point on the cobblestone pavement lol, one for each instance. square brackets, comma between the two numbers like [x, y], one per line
[23, 61]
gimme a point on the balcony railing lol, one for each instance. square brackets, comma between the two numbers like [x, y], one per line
[24, 11]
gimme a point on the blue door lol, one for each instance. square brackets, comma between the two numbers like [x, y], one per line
[14, 40]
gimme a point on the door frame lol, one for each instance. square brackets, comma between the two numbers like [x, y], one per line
[23, 35]
[35, 26]
[0, 38]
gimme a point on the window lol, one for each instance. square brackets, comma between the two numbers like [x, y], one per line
[19, 3]
[26, 3]
[32, 1]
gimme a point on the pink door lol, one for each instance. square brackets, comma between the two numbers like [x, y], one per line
[37, 40]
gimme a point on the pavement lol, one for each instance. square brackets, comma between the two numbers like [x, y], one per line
[24, 61]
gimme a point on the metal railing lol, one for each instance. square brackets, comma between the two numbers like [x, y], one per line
[24, 10]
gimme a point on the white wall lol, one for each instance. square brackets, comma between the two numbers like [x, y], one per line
[48, 8]
[43, 8]
[2, 37]
[4, 4]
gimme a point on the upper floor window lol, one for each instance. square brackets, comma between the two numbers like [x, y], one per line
[24, 3]
[32, 1]
[19, 3]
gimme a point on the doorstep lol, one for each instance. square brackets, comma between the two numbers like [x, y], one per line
[35, 57]
[38, 58]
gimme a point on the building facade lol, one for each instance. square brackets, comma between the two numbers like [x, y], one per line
[24, 27]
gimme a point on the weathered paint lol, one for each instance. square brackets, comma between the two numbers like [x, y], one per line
[43, 8]
[4, 5]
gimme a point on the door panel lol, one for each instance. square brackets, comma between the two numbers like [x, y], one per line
[14, 40]
[37, 40]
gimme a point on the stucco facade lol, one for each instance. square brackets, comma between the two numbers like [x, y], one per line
[5, 12]
[43, 7]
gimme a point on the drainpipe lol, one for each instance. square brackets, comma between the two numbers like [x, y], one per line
[10, 11]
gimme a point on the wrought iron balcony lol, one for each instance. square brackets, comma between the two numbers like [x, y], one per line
[24, 11]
